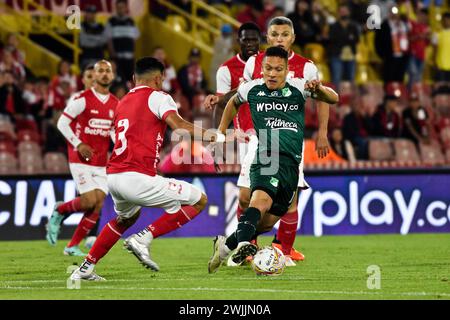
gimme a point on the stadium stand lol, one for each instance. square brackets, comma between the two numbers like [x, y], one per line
[23, 131]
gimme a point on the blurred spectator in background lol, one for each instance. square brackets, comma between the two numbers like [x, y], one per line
[11, 101]
[58, 97]
[65, 75]
[392, 45]
[257, 12]
[303, 23]
[319, 21]
[419, 37]
[384, 6]
[358, 11]
[191, 77]
[122, 34]
[92, 38]
[54, 141]
[187, 157]
[386, 120]
[170, 83]
[344, 36]
[9, 64]
[441, 43]
[337, 143]
[223, 50]
[37, 99]
[12, 40]
[416, 122]
[357, 126]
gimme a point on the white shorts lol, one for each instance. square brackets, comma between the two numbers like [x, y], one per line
[132, 190]
[246, 163]
[88, 178]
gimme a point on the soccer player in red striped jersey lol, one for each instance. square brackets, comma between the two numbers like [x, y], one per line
[280, 33]
[140, 123]
[86, 123]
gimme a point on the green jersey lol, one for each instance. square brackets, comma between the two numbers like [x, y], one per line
[278, 116]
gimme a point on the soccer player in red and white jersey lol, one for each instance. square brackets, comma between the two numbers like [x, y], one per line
[280, 33]
[87, 125]
[140, 123]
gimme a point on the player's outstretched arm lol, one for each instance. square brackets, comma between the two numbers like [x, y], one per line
[228, 114]
[321, 92]
[174, 121]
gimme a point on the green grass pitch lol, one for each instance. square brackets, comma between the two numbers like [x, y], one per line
[411, 267]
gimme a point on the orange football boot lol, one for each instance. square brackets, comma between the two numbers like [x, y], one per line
[295, 255]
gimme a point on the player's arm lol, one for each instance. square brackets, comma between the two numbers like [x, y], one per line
[321, 92]
[74, 108]
[229, 113]
[175, 121]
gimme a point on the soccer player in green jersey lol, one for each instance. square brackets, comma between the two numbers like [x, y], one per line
[277, 109]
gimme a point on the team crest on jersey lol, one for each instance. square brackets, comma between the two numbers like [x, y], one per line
[286, 92]
[274, 182]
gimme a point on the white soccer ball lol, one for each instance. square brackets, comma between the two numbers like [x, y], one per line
[269, 261]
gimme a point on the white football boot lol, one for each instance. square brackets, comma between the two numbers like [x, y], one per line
[220, 254]
[141, 251]
[86, 272]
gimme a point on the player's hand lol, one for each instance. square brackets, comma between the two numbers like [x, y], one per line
[322, 146]
[85, 151]
[210, 101]
[313, 85]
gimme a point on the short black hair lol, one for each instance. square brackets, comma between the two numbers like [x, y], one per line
[122, 1]
[90, 66]
[249, 26]
[147, 64]
[277, 52]
[281, 21]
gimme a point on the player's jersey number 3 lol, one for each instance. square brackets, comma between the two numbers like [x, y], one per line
[124, 123]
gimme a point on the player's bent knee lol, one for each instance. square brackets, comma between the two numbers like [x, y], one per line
[244, 198]
[128, 221]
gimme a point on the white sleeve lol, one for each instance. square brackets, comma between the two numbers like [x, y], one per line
[299, 83]
[244, 88]
[64, 127]
[249, 68]
[223, 80]
[161, 104]
[75, 106]
[72, 110]
[310, 72]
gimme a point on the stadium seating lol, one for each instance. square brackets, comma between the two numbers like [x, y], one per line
[315, 52]
[55, 162]
[431, 154]
[380, 149]
[29, 146]
[8, 163]
[8, 146]
[178, 23]
[28, 135]
[405, 151]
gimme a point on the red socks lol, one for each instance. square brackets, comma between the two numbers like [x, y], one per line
[287, 231]
[239, 212]
[70, 206]
[110, 234]
[170, 222]
[86, 224]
